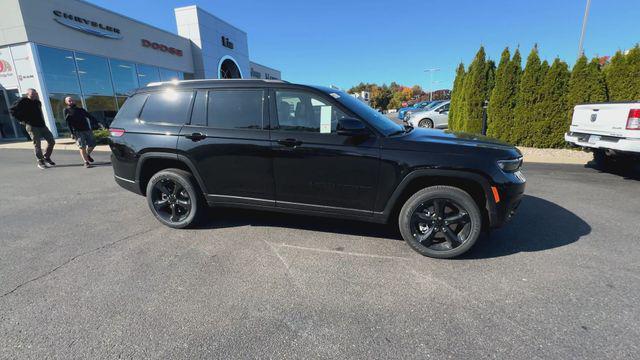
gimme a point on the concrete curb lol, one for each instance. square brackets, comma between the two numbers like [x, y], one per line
[61, 144]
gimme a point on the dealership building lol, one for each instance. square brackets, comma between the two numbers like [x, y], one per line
[73, 48]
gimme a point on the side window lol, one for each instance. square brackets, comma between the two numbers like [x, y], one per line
[445, 108]
[167, 106]
[235, 109]
[131, 108]
[199, 113]
[303, 111]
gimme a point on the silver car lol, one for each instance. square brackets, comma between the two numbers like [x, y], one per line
[436, 117]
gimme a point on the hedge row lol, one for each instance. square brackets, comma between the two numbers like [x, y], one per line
[533, 106]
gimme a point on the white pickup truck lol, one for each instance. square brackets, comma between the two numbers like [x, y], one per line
[608, 129]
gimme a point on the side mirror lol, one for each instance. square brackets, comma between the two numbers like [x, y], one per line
[351, 127]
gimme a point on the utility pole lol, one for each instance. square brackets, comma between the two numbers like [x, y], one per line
[431, 71]
[584, 28]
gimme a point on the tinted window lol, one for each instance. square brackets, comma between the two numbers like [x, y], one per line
[235, 109]
[199, 113]
[131, 108]
[379, 121]
[167, 106]
[303, 111]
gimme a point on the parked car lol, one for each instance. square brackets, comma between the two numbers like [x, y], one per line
[272, 145]
[436, 117]
[402, 112]
[609, 130]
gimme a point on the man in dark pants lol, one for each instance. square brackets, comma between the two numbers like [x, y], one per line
[78, 121]
[28, 111]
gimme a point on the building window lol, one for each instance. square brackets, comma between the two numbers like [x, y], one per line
[103, 108]
[147, 74]
[124, 76]
[168, 75]
[59, 70]
[229, 70]
[94, 75]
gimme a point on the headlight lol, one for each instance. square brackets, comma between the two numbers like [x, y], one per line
[510, 166]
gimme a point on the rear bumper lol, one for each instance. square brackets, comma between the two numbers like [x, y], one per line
[621, 144]
[127, 184]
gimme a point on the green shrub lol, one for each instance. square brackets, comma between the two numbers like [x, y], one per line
[102, 136]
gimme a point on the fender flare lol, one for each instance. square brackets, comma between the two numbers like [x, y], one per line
[172, 156]
[464, 175]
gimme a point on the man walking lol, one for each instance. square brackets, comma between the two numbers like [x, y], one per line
[28, 111]
[78, 120]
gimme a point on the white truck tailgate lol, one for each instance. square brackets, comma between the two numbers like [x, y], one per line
[604, 119]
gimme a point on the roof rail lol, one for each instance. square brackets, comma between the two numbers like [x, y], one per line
[176, 82]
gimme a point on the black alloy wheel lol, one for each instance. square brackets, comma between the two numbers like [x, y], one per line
[440, 224]
[171, 200]
[440, 221]
[174, 198]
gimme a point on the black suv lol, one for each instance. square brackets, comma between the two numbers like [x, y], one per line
[273, 145]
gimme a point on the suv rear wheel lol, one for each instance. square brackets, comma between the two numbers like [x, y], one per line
[174, 198]
[440, 222]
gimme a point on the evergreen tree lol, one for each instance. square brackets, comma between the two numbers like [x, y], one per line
[527, 97]
[587, 84]
[617, 77]
[457, 99]
[475, 93]
[552, 122]
[503, 96]
[632, 61]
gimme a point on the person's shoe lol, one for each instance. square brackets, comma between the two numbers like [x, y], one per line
[87, 165]
[41, 165]
[90, 158]
[48, 161]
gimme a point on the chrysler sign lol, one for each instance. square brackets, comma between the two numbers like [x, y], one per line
[86, 25]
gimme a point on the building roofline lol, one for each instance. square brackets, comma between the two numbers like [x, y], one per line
[198, 8]
[265, 66]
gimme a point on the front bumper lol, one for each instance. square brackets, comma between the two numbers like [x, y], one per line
[511, 194]
[594, 141]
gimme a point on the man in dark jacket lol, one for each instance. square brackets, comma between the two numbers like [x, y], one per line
[79, 122]
[28, 111]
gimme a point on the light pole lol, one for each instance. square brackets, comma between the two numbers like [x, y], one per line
[431, 71]
[584, 28]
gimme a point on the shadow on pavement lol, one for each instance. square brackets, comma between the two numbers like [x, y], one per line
[79, 164]
[539, 225]
[628, 169]
[231, 217]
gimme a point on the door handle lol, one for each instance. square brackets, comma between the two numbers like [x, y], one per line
[196, 136]
[290, 142]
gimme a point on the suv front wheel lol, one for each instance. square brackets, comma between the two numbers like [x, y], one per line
[174, 198]
[440, 222]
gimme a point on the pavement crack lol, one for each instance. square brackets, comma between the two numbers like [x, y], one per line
[72, 259]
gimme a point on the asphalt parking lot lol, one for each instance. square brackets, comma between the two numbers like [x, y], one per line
[87, 272]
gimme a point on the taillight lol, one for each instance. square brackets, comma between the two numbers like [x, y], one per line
[116, 132]
[633, 121]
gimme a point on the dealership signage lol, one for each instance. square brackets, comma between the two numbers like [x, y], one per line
[226, 42]
[161, 47]
[87, 25]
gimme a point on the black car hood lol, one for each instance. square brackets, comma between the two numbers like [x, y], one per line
[413, 137]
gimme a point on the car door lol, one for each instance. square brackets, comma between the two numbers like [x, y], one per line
[314, 167]
[228, 142]
[441, 115]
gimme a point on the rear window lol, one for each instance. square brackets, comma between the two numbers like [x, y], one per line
[167, 107]
[130, 110]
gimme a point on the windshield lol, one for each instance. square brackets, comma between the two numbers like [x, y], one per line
[432, 105]
[385, 125]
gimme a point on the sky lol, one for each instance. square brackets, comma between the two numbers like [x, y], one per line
[344, 42]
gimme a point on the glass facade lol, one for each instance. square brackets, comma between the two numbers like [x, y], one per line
[99, 84]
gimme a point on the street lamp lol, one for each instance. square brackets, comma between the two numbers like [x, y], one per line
[584, 28]
[431, 71]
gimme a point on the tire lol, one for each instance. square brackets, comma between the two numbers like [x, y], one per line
[426, 123]
[430, 232]
[175, 198]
